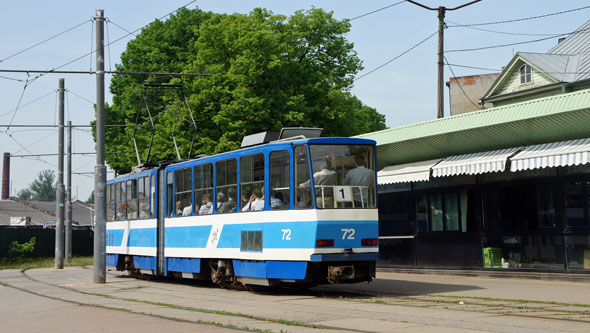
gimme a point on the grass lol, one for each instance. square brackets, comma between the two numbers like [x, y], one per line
[28, 263]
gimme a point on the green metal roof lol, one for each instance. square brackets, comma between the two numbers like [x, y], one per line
[550, 119]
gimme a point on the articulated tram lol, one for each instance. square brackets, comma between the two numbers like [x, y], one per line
[291, 212]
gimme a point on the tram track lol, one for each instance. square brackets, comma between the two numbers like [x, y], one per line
[463, 303]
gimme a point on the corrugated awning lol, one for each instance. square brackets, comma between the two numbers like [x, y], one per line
[555, 154]
[473, 164]
[403, 173]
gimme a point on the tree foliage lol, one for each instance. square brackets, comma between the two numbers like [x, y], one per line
[268, 72]
[41, 189]
[18, 250]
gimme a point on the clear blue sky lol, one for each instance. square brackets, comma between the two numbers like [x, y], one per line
[404, 90]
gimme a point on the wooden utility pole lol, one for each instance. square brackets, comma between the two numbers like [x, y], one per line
[441, 26]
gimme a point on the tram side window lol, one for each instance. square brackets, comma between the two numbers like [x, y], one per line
[153, 197]
[183, 182]
[121, 213]
[132, 199]
[169, 195]
[226, 186]
[203, 189]
[143, 198]
[301, 174]
[280, 180]
[110, 204]
[252, 183]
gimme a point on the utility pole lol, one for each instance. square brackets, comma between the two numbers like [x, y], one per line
[441, 26]
[68, 235]
[100, 169]
[59, 228]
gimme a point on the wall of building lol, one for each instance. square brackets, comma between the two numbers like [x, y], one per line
[465, 92]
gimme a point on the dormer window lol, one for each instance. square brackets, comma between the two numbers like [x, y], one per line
[525, 74]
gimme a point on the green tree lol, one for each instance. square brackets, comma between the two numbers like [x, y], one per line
[90, 198]
[268, 72]
[41, 189]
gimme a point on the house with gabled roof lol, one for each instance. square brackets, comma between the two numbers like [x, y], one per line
[564, 68]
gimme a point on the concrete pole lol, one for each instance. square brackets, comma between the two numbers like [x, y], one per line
[440, 97]
[59, 212]
[68, 234]
[100, 169]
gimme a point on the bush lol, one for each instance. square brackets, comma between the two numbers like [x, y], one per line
[17, 250]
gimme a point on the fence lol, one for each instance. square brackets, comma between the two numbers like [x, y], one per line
[82, 240]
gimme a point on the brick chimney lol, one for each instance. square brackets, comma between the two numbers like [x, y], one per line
[6, 177]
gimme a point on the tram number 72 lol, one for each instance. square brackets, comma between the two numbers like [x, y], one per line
[286, 234]
[348, 233]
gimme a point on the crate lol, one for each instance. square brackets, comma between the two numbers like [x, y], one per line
[492, 257]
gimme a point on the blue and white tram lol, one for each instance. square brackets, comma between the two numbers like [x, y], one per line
[290, 212]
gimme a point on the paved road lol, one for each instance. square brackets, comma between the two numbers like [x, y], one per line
[393, 302]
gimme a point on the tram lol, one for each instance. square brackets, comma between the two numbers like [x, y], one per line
[290, 211]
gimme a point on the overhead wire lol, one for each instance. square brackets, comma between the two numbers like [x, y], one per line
[116, 40]
[458, 25]
[377, 10]
[81, 97]
[18, 104]
[398, 56]
[504, 45]
[28, 103]
[10, 78]
[460, 86]
[43, 41]
[520, 19]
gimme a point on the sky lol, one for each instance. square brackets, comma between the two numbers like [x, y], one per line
[404, 89]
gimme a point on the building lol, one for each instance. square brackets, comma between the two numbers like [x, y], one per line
[504, 188]
[465, 92]
[565, 68]
[42, 213]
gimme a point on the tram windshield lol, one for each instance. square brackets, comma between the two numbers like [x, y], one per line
[343, 176]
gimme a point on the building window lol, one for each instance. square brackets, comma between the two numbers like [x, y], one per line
[439, 212]
[576, 199]
[526, 73]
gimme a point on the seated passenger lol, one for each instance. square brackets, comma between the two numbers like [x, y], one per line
[231, 205]
[256, 202]
[221, 199]
[276, 201]
[206, 206]
[187, 211]
[179, 208]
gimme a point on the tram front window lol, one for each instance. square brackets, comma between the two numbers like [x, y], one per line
[343, 176]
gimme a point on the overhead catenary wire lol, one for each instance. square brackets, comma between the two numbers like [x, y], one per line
[43, 41]
[398, 56]
[505, 45]
[459, 25]
[520, 19]
[29, 103]
[377, 10]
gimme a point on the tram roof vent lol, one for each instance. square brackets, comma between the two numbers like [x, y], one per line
[308, 132]
[286, 133]
[259, 139]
